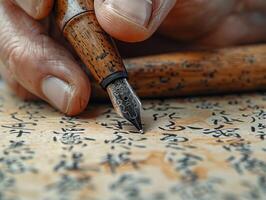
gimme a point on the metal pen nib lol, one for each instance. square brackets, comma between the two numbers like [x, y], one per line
[125, 102]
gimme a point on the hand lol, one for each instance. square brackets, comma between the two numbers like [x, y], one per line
[216, 23]
[37, 66]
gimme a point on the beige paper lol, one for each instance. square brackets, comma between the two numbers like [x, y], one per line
[194, 148]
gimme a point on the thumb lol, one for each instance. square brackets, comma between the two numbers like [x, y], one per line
[132, 20]
[39, 64]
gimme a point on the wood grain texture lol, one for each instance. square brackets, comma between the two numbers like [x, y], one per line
[67, 9]
[200, 72]
[95, 48]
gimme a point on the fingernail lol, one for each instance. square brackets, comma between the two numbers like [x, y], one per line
[58, 92]
[32, 7]
[136, 11]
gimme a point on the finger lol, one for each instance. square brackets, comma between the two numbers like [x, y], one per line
[129, 20]
[14, 85]
[39, 64]
[250, 5]
[191, 19]
[248, 28]
[38, 9]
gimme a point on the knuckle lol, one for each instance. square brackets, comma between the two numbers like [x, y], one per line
[22, 53]
[15, 54]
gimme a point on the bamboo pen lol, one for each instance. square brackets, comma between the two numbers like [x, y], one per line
[220, 71]
[77, 21]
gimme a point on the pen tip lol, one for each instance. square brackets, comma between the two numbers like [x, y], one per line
[126, 102]
[137, 124]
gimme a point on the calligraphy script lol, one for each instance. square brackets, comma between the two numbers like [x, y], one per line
[193, 148]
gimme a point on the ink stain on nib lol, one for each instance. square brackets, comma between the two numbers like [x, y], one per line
[125, 102]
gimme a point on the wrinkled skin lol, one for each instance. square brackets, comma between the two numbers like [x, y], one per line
[37, 65]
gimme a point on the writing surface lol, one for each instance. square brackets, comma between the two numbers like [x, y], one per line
[193, 148]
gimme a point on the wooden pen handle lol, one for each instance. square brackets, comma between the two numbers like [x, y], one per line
[77, 20]
[195, 73]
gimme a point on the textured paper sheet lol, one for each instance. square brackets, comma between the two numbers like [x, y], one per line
[194, 148]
